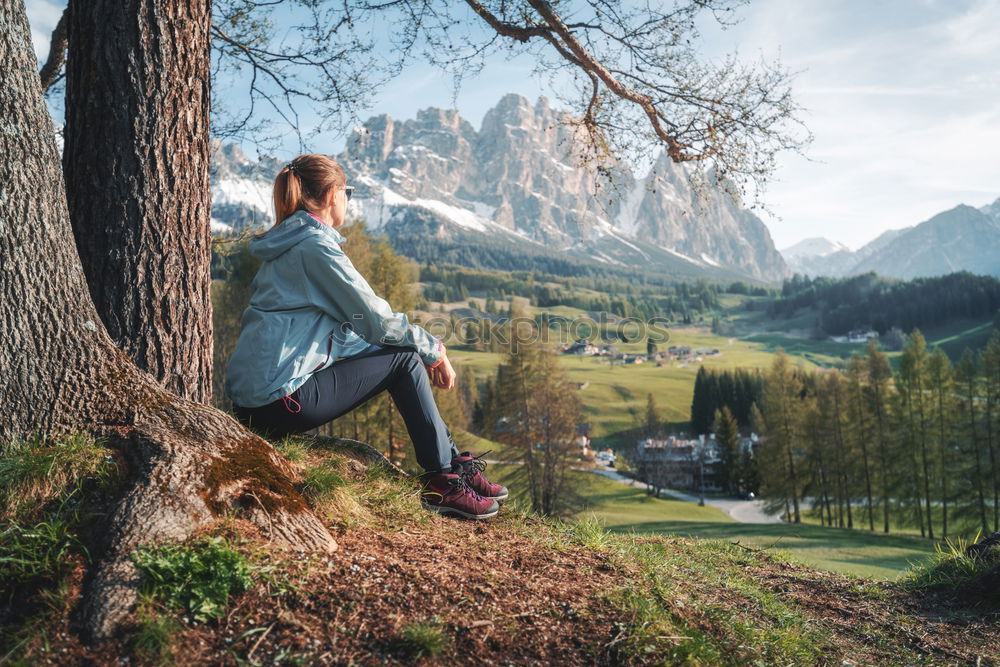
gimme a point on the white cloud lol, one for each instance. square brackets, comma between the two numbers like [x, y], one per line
[904, 103]
[975, 32]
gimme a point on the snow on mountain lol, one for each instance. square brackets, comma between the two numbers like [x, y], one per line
[514, 180]
[993, 211]
[813, 247]
[960, 239]
[517, 173]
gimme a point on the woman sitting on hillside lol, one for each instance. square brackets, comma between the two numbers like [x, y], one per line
[316, 341]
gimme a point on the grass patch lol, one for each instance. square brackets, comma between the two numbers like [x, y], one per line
[953, 571]
[624, 509]
[422, 638]
[48, 493]
[197, 578]
[296, 450]
[34, 552]
[695, 602]
[37, 472]
[153, 641]
[322, 480]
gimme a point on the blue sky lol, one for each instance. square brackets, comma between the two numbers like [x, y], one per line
[903, 97]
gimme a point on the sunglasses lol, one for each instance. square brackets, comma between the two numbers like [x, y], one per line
[349, 190]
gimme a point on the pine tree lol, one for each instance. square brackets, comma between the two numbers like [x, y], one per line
[652, 426]
[863, 431]
[967, 376]
[781, 478]
[831, 403]
[989, 362]
[939, 374]
[913, 372]
[877, 400]
[535, 411]
[727, 437]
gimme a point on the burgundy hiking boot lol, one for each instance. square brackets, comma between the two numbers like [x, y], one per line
[472, 467]
[448, 493]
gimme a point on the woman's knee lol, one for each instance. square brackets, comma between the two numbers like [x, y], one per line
[410, 359]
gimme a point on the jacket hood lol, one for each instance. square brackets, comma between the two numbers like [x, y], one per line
[292, 230]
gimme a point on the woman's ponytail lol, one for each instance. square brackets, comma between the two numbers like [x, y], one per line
[287, 193]
[304, 183]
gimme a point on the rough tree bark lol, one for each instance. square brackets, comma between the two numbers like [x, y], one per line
[136, 162]
[60, 371]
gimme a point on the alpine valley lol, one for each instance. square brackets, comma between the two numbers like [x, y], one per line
[510, 196]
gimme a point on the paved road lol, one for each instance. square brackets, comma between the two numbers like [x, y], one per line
[744, 511]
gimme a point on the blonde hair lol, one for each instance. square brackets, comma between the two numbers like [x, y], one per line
[304, 183]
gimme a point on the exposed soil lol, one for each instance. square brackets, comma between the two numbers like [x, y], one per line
[875, 626]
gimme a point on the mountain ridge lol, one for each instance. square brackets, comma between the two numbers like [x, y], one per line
[516, 176]
[961, 238]
[435, 178]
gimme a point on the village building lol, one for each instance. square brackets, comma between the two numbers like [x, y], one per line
[679, 463]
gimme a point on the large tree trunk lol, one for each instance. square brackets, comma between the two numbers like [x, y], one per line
[60, 371]
[136, 162]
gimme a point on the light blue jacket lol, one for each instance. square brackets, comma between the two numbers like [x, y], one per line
[310, 307]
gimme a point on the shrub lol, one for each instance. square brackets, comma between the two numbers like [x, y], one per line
[953, 571]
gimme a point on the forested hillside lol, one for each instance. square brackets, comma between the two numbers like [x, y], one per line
[869, 300]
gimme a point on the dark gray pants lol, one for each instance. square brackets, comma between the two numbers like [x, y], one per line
[343, 386]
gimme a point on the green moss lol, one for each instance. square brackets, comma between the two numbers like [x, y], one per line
[261, 482]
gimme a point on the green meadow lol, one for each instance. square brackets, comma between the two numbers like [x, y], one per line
[614, 396]
[614, 402]
[621, 508]
[624, 509]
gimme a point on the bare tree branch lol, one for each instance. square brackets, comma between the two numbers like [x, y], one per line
[52, 68]
[630, 72]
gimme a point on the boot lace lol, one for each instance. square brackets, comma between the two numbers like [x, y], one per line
[461, 485]
[478, 463]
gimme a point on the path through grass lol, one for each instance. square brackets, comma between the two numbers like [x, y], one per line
[624, 509]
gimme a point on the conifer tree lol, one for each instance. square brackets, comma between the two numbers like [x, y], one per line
[857, 373]
[727, 437]
[652, 425]
[781, 479]
[913, 373]
[820, 461]
[879, 378]
[967, 377]
[989, 362]
[940, 379]
[831, 400]
[535, 411]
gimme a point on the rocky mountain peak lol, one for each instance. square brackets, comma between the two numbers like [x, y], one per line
[517, 174]
[516, 178]
[993, 211]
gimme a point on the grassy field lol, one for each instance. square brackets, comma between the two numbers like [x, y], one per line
[622, 509]
[906, 524]
[614, 400]
[614, 396]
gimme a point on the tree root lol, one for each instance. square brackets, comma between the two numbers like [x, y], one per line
[359, 451]
[189, 466]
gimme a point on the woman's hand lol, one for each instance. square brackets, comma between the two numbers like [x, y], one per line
[443, 376]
